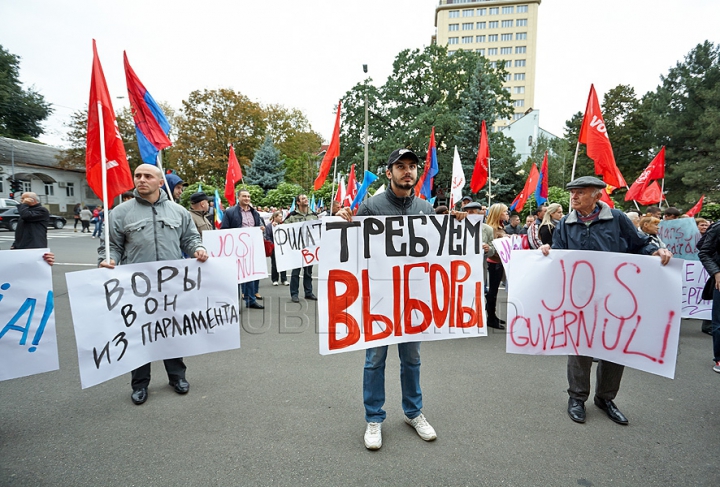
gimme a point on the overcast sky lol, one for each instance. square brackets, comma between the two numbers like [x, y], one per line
[308, 54]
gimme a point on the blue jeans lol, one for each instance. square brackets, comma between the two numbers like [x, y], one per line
[98, 228]
[716, 325]
[249, 290]
[374, 381]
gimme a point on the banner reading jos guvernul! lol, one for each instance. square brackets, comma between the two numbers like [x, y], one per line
[396, 279]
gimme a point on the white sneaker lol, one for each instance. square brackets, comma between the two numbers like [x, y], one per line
[716, 367]
[275, 283]
[285, 283]
[422, 427]
[373, 436]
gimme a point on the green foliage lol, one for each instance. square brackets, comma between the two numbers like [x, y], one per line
[555, 195]
[257, 193]
[302, 171]
[206, 188]
[710, 211]
[21, 110]
[266, 169]
[282, 196]
[325, 192]
[291, 132]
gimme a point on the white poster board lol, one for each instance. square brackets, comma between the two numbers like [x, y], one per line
[297, 244]
[623, 308]
[397, 279]
[28, 344]
[138, 313]
[245, 245]
[694, 278]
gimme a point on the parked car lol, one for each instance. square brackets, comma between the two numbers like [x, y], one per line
[10, 217]
[8, 203]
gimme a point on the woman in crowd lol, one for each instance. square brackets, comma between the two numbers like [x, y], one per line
[702, 225]
[496, 219]
[649, 227]
[76, 215]
[552, 217]
[99, 217]
[275, 219]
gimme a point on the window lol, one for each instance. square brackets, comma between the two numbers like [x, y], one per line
[453, 27]
[522, 9]
[506, 50]
[529, 140]
[519, 77]
[521, 23]
[519, 103]
[506, 37]
[494, 24]
[521, 36]
[50, 189]
[519, 90]
[26, 186]
[493, 64]
[492, 51]
[508, 76]
[468, 13]
[520, 50]
[450, 53]
[452, 40]
[507, 88]
[467, 39]
[480, 51]
[493, 38]
[518, 116]
[468, 26]
[480, 25]
[494, 11]
[508, 10]
[479, 38]
[454, 14]
[506, 23]
[480, 12]
[70, 189]
[519, 63]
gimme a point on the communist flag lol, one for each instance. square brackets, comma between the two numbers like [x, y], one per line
[232, 176]
[519, 202]
[655, 170]
[651, 195]
[119, 178]
[594, 135]
[480, 173]
[332, 152]
[697, 208]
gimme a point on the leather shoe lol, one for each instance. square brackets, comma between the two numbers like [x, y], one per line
[256, 306]
[257, 296]
[502, 322]
[611, 409]
[139, 396]
[311, 297]
[576, 410]
[181, 386]
[294, 299]
[497, 326]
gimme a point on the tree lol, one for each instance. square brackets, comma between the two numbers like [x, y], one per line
[209, 121]
[266, 169]
[291, 132]
[282, 196]
[21, 110]
[303, 170]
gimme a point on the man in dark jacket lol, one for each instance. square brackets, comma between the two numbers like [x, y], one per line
[238, 216]
[593, 225]
[31, 231]
[710, 258]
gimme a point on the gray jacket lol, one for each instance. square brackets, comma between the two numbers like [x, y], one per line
[141, 231]
[386, 203]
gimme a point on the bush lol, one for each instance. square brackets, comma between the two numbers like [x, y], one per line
[283, 195]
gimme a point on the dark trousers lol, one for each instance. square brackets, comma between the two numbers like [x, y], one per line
[274, 274]
[175, 368]
[77, 220]
[85, 225]
[307, 281]
[716, 325]
[495, 275]
[249, 290]
[607, 382]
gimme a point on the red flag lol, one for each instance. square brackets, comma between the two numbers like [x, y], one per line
[651, 195]
[119, 177]
[352, 187]
[594, 135]
[655, 170]
[332, 152]
[480, 173]
[530, 184]
[695, 209]
[233, 175]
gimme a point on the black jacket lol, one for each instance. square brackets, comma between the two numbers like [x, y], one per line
[710, 250]
[233, 218]
[31, 231]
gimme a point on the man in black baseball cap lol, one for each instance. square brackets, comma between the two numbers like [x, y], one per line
[405, 154]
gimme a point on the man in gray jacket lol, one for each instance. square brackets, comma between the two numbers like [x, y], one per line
[149, 228]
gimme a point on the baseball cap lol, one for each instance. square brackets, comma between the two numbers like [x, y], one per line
[402, 154]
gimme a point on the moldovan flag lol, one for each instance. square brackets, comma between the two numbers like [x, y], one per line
[331, 153]
[541, 192]
[480, 173]
[457, 183]
[655, 170]
[519, 203]
[233, 175]
[594, 135]
[119, 178]
[151, 126]
[424, 187]
[697, 208]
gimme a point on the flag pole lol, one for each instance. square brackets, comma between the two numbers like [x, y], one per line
[636, 205]
[662, 192]
[572, 173]
[489, 185]
[104, 182]
[332, 186]
[160, 166]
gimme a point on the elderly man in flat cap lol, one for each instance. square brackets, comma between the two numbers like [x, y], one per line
[593, 225]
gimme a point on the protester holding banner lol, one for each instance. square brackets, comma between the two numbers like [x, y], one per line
[275, 219]
[593, 225]
[150, 228]
[710, 258]
[302, 213]
[497, 216]
[552, 217]
[31, 230]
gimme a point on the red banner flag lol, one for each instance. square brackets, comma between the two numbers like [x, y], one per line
[352, 187]
[519, 202]
[332, 152]
[605, 196]
[233, 175]
[697, 208]
[119, 177]
[594, 135]
[480, 173]
[655, 170]
[651, 195]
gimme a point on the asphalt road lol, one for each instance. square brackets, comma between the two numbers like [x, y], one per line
[275, 412]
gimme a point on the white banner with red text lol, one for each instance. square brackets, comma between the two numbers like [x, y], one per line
[245, 245]
[623, 308]
[297, 244]
[396, 279]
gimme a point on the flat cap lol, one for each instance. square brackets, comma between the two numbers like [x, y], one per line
[198, 197]
[585, 182]
[473, 206]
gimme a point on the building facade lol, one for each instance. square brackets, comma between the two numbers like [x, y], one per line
[502, 31]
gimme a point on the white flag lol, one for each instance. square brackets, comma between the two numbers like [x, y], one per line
[458, 180]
